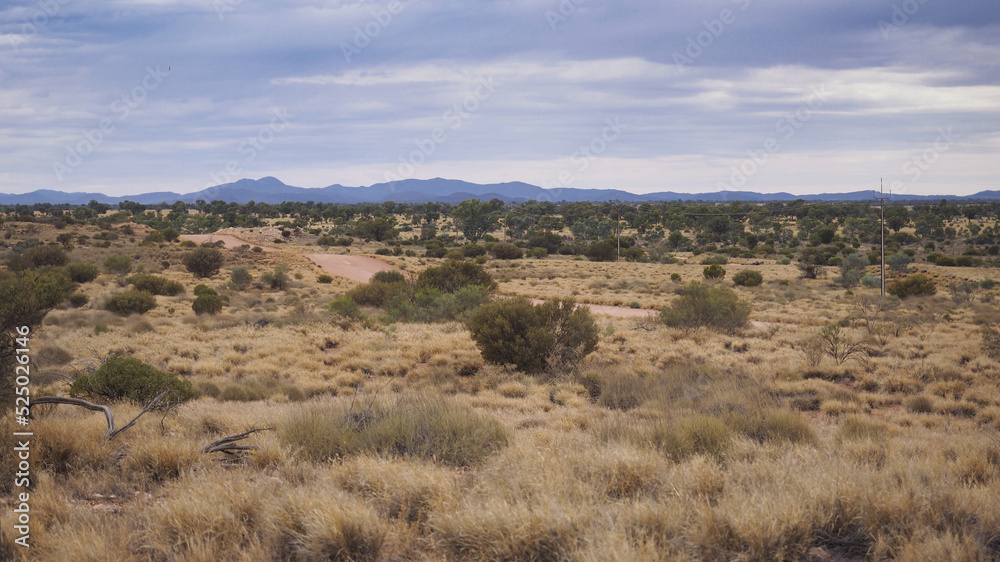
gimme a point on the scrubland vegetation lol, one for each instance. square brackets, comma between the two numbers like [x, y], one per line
[468, 404]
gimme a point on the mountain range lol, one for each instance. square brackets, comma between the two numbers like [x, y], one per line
[273, 190]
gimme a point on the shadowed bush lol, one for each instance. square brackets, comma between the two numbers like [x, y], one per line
[208, 302]
[701, 306]
[533, 337]
[748, 278]
[429, 428]
[130, 302]
[203, 262]
[156, 285]
[127, 378]
[452, 275]
[80, 272]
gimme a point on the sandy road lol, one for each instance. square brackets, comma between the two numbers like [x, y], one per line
[231, 241]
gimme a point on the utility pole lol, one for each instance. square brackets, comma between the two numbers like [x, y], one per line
[882, 209]
[618, 227]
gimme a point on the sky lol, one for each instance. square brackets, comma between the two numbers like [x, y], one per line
[695, 96]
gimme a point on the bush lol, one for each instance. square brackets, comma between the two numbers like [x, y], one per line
[324, 279]
[602, 250]
[701, 306]
[208, 302]
[389, 276]
[118, 265]
[346, 307]
[129, 302]
[127, 378]
[692, 435]
[914, 285]
[76, 300]
[506, 251]
[748, 278]
[241, 278]
[452, 275]
[378, 292]
[473, 250]
[991, 342]
[41, 256]
[156, 285]
[715, 260]
[533, 337]
[871, 281]
[80, 272]
[277, 279]
[429, 428]
[203, 262]
[714, 271]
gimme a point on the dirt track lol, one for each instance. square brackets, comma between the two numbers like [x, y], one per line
[359, 268]
[231, 241]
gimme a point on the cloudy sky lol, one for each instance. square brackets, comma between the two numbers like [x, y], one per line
[130, 96]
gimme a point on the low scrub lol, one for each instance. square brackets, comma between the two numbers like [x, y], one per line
[914, 285]
[748, 278]
[208, 302]
[701, 306]
[130, 302]
[156, 285]
[419, 426]
[80, 272]
[692, 435]
[128, 378]
[533, 337]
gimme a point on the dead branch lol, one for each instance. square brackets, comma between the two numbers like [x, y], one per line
[228, 445]
[112, 432]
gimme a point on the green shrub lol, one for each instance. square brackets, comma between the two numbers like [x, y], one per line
[715, 260]
[156, 285]
[532, 337]
[701, 306]
[602, 250]
[675, 278]
[433, 305]
[346, 307]
[505, 251]
[389, 276]
[748, 278]
[241, 278]
[127, 378]
[118, 265]
[914, 285]
[80, 272]
[324, 279]
[277, 279]
[76, 300]
[429, 428]
[203, 262]
[871, 281]
[208, 302]
[129, 302]
[452, 275]
[379, 293]
[714, 271]
[48, 255]
[473, 250]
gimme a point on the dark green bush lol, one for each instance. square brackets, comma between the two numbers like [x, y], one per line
[533, 337]
[473, 250]
[129, 302]
[208, 302]
[156, 285]
[49, 255]
[346, 307]
[505, 251]
[748, 278]
[127, 378]
[389, 276]
[602, 250]
[80, 272]
[914, 285]
[76, 300]
[452, 275]
[701, 306]
[714, 271]
[379, 293]
[203, 262]
[324, 279]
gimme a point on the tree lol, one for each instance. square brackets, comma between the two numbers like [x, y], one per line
[475, 218]
[378, 229]
[896, 218]
[203, 262]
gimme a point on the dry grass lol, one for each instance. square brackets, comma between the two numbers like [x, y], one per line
[660, 446]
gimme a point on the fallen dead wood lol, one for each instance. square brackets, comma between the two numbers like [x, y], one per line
[112, 432]
[228, 445]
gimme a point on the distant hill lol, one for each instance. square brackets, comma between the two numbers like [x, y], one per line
[273, 190]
